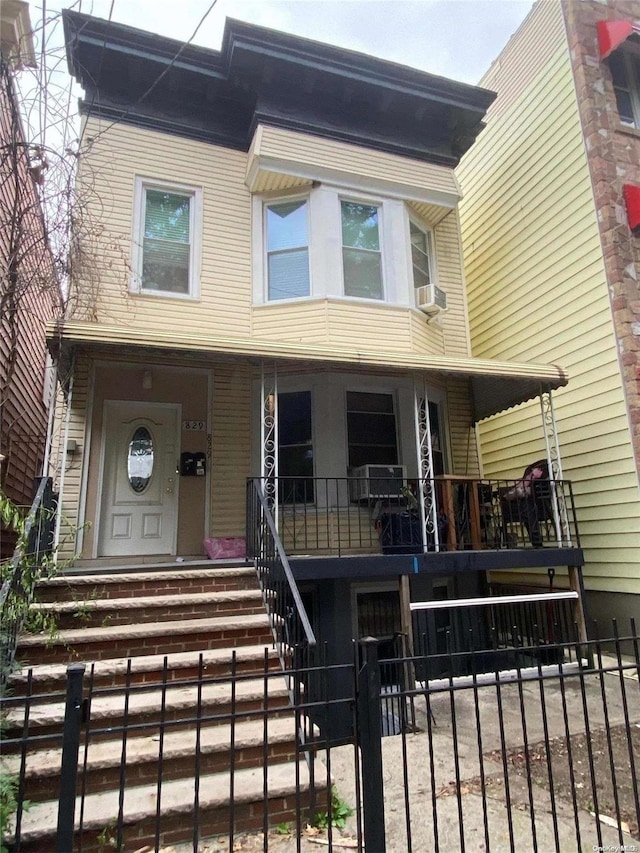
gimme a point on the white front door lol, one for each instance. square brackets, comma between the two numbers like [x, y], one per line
[139, 501]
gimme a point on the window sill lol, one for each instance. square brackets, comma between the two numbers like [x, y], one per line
[161, 294]
[627, 130]
[350, 300]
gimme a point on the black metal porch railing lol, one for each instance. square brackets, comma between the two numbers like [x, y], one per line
[287, 613]
[336, 515]
[23, 570]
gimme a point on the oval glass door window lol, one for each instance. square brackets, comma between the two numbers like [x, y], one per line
[140, 460]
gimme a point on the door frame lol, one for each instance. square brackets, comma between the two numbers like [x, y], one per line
[110, 404]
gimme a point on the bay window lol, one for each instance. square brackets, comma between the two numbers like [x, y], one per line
[421, 255]
[361, 255]
[287, 250]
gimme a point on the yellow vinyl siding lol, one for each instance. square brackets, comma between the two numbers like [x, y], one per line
[225, 294]
[231, 448]
[449, 278]
[464, 456]
[288, 146]
[224, 306]
[537, 290]
[73, 464]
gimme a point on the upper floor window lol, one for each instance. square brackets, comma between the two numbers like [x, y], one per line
[361, 255]
[166, 239]
[421, 255]
[287, 249]
[625, 71]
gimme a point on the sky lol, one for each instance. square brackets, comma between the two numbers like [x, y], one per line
[453, 38]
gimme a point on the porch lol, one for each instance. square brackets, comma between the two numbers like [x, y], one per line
[396, 515]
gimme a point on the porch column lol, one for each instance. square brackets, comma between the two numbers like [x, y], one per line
[554, 462]
[269, 436]
[426, 489]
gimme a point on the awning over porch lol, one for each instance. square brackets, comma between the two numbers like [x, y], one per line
[496, 385]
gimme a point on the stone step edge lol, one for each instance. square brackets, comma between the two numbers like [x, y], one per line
[112, 633]
[100, 809]
[146, 663]
[141, 574]
[138, 602]
[105, 755]
[147, 699]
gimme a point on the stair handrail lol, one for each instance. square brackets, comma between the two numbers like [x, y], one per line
[35, 542]
[253, 547]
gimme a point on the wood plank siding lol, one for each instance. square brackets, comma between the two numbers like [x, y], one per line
[537, 290]
[29, 298]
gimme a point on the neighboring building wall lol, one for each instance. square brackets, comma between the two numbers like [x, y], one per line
[538, 290]
[28, 298]
[614, 159]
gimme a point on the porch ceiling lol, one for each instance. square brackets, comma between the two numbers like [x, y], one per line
[496, 385]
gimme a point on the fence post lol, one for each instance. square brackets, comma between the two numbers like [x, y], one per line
[69, 766]
[370, 737]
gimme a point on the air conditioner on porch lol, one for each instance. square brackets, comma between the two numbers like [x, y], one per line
[431, 299]
[377, 482]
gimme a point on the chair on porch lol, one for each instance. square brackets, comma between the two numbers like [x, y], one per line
[528, 502]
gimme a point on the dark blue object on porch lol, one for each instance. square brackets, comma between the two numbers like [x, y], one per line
[400, 532]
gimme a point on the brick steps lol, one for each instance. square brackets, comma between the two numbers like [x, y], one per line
[104, 765]
[147, 704]
[153, 608]
[153, 638]
[242, 660]
[117, 584]
[147, 632]
[286, 784]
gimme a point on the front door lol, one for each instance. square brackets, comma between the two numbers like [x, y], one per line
[139, 508]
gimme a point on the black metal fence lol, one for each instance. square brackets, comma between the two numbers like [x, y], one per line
[338, 515]
[522, 755]
[26, 566]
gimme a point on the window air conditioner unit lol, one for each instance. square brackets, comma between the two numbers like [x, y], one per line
[431, 299]
[377, 482]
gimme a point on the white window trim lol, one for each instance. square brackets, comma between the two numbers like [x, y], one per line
[379, 204]
[264, 275]
[433, 266]
[142, 184]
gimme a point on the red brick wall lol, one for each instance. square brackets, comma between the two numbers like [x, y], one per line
[614, 157]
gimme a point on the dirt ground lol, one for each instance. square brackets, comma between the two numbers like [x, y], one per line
[615, 794]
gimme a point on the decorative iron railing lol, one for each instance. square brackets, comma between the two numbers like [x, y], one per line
[288, 616]
[17, 588]
[338, 515]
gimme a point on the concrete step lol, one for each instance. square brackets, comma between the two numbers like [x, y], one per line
[134, 581]
[100, 814]
[152, 608]
[149, 638]
[105, 763]
[173, 705]
[112, 672]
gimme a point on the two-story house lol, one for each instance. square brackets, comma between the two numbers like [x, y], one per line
[29, 295]
[552, 269]
[276, 238]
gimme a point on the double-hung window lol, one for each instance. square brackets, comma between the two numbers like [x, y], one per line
[361, 255]
[167, 225]
[625, 71]
[421, 255]
[287, 250]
